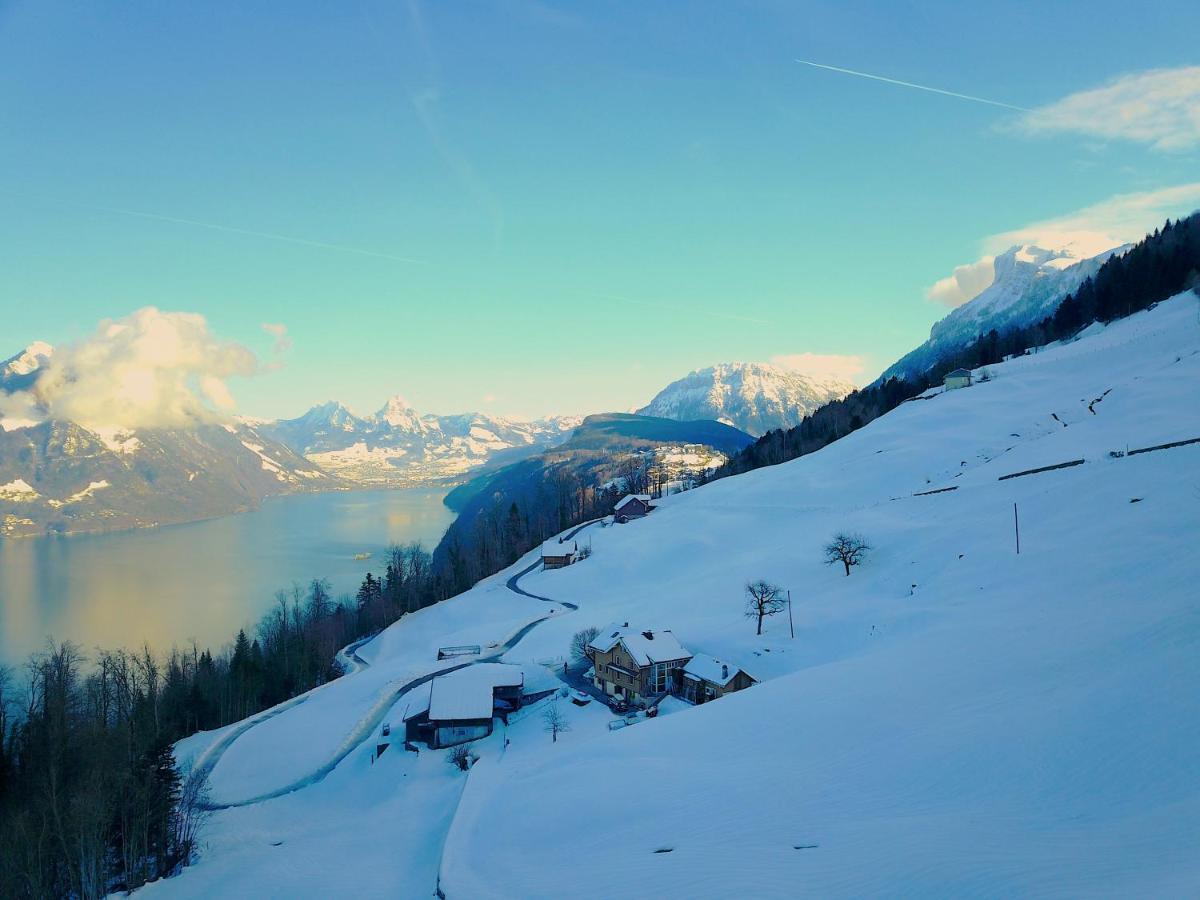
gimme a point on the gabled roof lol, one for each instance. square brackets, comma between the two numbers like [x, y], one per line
[959, 373]
[711, 669]
[553, 548]
[645, 498]
[418, 701]
[468, 692]
[644, 646]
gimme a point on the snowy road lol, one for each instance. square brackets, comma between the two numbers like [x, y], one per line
[366, 726]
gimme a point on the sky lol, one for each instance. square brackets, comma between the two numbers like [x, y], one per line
[530, 208]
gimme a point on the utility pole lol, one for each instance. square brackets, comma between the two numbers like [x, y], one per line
[791, 624]
[1017, 529]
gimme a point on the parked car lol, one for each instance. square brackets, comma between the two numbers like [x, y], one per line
[579, 698]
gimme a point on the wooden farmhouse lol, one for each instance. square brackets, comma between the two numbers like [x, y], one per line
[555, 555]
[636, 666]
[461, 706]
[706, 678]
[632, 506]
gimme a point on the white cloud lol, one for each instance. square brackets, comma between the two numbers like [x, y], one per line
[1122, 219]
[964, 283]
[149, 369]
[1160, 107]
[823, 365]
[283, 342]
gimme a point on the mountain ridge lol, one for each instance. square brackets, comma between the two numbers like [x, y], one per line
[753, 397]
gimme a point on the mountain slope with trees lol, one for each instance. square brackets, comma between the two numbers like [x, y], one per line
[1160, 266]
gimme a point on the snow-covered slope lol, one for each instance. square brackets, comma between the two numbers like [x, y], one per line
[1029, 282]
[399, 446]
[755, 397]
[953, 719]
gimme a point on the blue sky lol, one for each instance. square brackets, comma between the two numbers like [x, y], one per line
[532, 208]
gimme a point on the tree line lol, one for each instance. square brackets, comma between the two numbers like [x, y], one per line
[91, 798]
[1162, 265]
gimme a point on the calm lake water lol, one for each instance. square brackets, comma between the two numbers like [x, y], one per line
[202, 580]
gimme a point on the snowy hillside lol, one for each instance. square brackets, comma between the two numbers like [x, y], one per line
[399, 446]
[1028, 284]
[754, 397]
[952, 719]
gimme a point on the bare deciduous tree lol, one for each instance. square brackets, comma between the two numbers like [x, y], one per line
[580, 641]
[848, 549]
[763, 599]
[555, 722]
[460, 757]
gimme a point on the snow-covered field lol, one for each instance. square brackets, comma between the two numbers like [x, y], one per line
[953, 719]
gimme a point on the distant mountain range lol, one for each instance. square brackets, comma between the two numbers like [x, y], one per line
[398, 446]
[754, 397]
[1028, 285]
[59, 477]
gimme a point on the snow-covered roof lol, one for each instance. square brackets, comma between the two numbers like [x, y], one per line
[553, 548]
[645, 498]
[467, 693]
[958, 373]
[711, 669]
[418, 701]
[645, 646]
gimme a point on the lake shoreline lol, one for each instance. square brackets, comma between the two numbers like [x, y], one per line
[201, 579]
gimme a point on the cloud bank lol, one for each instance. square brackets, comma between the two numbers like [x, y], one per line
[1160, 107]
[1122, 219]
[823, 365]
[151, 369]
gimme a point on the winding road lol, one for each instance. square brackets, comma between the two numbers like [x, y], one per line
[366, 726]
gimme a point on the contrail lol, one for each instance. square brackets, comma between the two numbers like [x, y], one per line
[919, 87]
[288, 239]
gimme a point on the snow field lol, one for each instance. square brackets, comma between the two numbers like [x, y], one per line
[1013, 725]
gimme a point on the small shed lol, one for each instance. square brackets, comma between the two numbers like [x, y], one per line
[959, 378]
[460, 706]
[632, 506]
[706, 678]
[556, 554]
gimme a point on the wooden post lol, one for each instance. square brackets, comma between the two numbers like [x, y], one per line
[1017, 529]
[791, 624]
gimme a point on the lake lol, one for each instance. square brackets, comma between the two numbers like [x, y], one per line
[203, 580]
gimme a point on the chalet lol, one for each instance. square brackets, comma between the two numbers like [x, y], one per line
[636, 665]
[632, 506]
[706, 678]
[959, 378]
[555, 555]
[461, 706]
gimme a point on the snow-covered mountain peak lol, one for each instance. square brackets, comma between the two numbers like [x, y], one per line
[399, 413]
[755, 397]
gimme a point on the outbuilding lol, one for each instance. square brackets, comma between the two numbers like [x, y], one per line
[706, 678]
[959, 378]
[556, 554]
[632, 506]
[461, 706]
